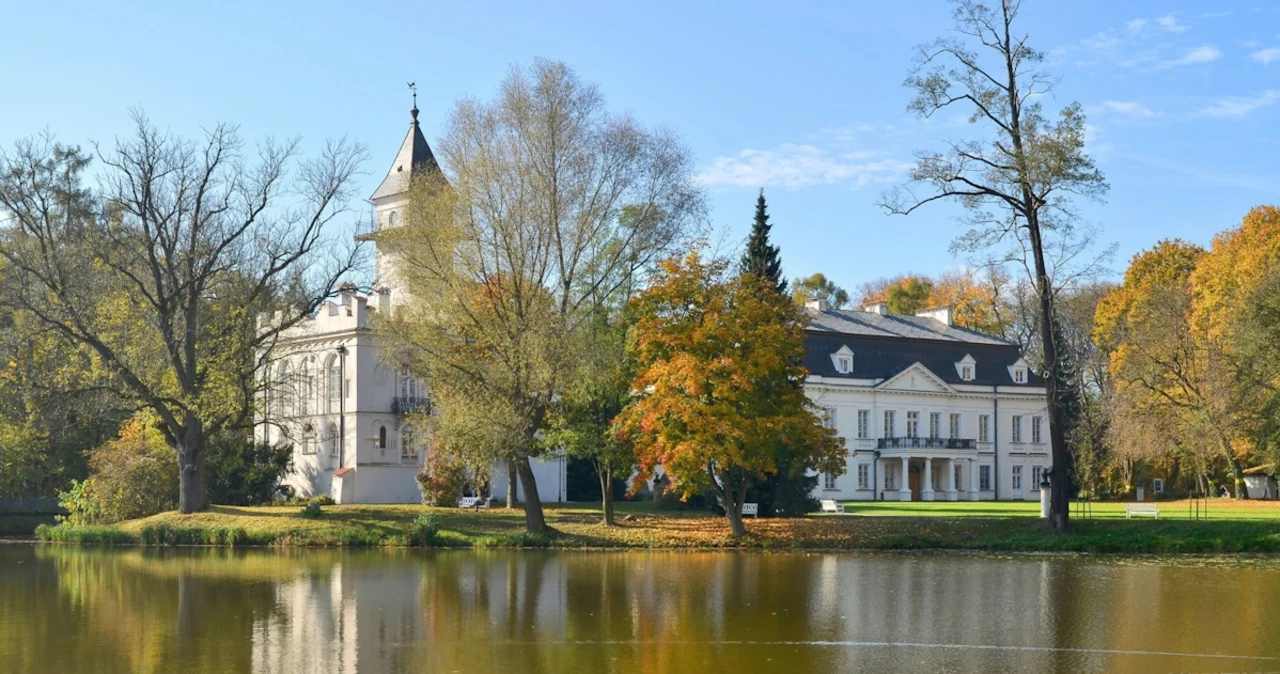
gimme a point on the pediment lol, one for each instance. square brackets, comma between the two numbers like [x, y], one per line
[916, 378]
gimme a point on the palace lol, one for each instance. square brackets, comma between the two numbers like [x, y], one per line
[929, 410]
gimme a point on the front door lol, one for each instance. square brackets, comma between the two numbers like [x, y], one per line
[913, 481]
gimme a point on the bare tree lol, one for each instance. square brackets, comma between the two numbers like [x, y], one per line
[1016, 185]
[161, 272]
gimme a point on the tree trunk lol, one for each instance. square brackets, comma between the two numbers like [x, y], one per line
[534, 522]
[191, 477]
[606, 494]
[1059, 475]
[511, 483]
[1237, 473]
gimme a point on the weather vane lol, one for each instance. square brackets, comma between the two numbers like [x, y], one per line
[413, 86]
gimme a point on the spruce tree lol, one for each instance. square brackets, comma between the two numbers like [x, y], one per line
[761, 257]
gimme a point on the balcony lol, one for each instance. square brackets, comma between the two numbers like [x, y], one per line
[926, 443]
[407, 404]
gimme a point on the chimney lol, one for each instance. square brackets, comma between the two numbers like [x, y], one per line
[384, 298]
[817, 304]
[881, 308]
[940, 314]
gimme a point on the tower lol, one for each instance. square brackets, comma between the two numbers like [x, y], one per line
[414, 159]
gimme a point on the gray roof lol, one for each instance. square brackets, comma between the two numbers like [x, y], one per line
[413, 159]
[871, 324]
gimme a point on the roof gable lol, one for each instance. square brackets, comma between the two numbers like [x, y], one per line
[917, 378]
[414, 158]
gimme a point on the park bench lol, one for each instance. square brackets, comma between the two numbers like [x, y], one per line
[473, 503]
[752, 509]
[1141, 509]
[831, 506]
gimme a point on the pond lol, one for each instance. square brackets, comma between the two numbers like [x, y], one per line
[65, 609]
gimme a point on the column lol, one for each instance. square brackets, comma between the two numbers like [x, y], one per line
[973, 480]
[904, 487]
[926, 490]
[951, 480]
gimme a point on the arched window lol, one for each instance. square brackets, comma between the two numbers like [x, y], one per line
[408, 444]
[304, 389]
[333, 385]
[382, 437]
[331, 439]
[285, 381]
[393, 219]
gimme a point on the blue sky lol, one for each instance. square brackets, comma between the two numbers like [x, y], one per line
[804, 100]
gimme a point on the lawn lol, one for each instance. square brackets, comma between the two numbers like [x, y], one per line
[1213, 509]
[992, 527]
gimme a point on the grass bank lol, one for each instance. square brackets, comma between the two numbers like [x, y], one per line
[578, 527]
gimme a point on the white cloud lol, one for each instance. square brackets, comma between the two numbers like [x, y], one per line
[792, 166]
[1170, 24]
[1136, 25]
[1265, 56]
[1130, 109]
[1235, 107]
[1203, 54]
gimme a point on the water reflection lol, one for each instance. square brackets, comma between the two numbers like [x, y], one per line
[73, 610]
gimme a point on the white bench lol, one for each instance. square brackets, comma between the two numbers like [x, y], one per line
[473, 503]
[752, 509]
[830, 506]
[1141, 509]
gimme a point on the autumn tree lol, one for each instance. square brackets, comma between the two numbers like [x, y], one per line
[553, 205]
[817, 286]
[161, 273]
[718, 405]
[1016, 184]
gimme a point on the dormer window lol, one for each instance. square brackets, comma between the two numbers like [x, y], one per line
[1019, 375]
[965, 367]
[842, 360]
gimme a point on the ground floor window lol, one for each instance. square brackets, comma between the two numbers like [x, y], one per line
[828, 481]
[864, 476]
[1017, 478]
[888, 478]
[984, 478]
[1037, 476]
[957, 476]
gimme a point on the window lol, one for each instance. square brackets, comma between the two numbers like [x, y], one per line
[984, 428]
[984, 478]
[864, 476]
[888, 477]
[382, 437]
[1020, 375]
[407, 385]
[333, 386]
[913, 424]
[888, 423]
[966, 372]
[864, 420]
[1035, 430]
[408, 444]
[957, 476]
[1037, 476]
[955, 426]
[285, 397]
[828, 481]
[393, 218]
[1017, 429]
[1017, 478]
[829, 417]
[331, 439]
[844, 364]
[304, 391]
[935, 421]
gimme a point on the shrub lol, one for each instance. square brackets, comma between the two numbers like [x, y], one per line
[243, 472]
[423, 531]
[134, 475]
[441, 479]
[311, 511]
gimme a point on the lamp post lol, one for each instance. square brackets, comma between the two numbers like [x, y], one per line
[342, 406]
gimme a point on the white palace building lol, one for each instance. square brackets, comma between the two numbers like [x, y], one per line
[929, 411]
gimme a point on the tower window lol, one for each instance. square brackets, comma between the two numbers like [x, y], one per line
[393, 218]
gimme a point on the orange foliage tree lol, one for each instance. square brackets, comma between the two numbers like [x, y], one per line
[719, 400]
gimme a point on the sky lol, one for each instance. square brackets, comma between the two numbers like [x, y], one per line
[802, 99]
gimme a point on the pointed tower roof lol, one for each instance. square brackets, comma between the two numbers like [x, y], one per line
[413, 159]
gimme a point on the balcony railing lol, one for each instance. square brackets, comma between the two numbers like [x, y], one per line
[403, 404]
[926, 443]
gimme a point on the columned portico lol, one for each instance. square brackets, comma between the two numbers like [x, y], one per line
[904, 490]
[926, 492]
